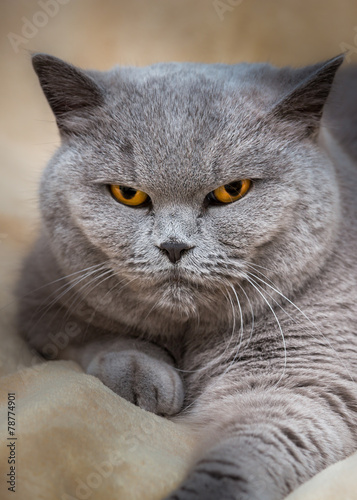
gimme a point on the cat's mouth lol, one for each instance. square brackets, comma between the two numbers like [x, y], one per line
[177, 277]
[183, 280]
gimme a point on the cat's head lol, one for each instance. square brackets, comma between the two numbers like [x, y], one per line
[185, 178]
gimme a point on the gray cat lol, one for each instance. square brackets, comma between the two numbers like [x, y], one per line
[198, 255]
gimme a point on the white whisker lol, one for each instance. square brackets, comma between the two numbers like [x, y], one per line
[214, 360]
[250, 264]
[106, 274]
[278, 323]
[307, 318]
[55, 281]
[72, 274]
[69, 310]
[252, 313]
[67, 287]
[241, 327]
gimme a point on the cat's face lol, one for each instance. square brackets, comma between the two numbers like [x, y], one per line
[178, 133]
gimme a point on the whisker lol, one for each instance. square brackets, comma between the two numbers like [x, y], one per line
[151, 310]
[72, 274]
[241, 330]
[214, 361]
[51, 283]
[222, 355]
[252, 313]
[233, 323]
[67, 287]
[89, 322]
[78, 299]
[74, 283]
[273, 299]
[126, 284]
[308, 319]
[278, 323]
[250, 264]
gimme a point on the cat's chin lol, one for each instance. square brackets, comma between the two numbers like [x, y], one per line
[176, 295]
[182, 297]
[177, 300]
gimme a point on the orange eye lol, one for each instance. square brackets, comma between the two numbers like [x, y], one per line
[231, 192]
[128, 196]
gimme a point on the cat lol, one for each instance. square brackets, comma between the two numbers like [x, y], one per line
[197, 253]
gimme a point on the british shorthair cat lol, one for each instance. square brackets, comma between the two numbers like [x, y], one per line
[197, 253]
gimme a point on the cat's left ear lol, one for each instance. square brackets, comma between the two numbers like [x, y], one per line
[304, 104]
[72, 94]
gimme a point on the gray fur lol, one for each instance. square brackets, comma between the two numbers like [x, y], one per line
[252, 333]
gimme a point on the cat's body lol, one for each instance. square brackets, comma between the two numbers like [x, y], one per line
[248, 328]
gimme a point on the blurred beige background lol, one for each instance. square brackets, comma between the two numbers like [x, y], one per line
[99, 34]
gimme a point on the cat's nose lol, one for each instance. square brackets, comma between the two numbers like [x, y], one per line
[174, 250]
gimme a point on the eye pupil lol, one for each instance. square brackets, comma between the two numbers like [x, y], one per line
[234, 188]
[228, 193]
[128, 195]
[127, 192]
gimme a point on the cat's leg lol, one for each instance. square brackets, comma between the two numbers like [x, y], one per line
[141, 372]
[263, 444]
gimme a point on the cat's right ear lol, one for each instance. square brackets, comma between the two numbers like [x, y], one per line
[72, 94]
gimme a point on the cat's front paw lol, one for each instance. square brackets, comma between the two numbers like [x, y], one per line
[149, 383]
[209, 482]
[233, 470]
